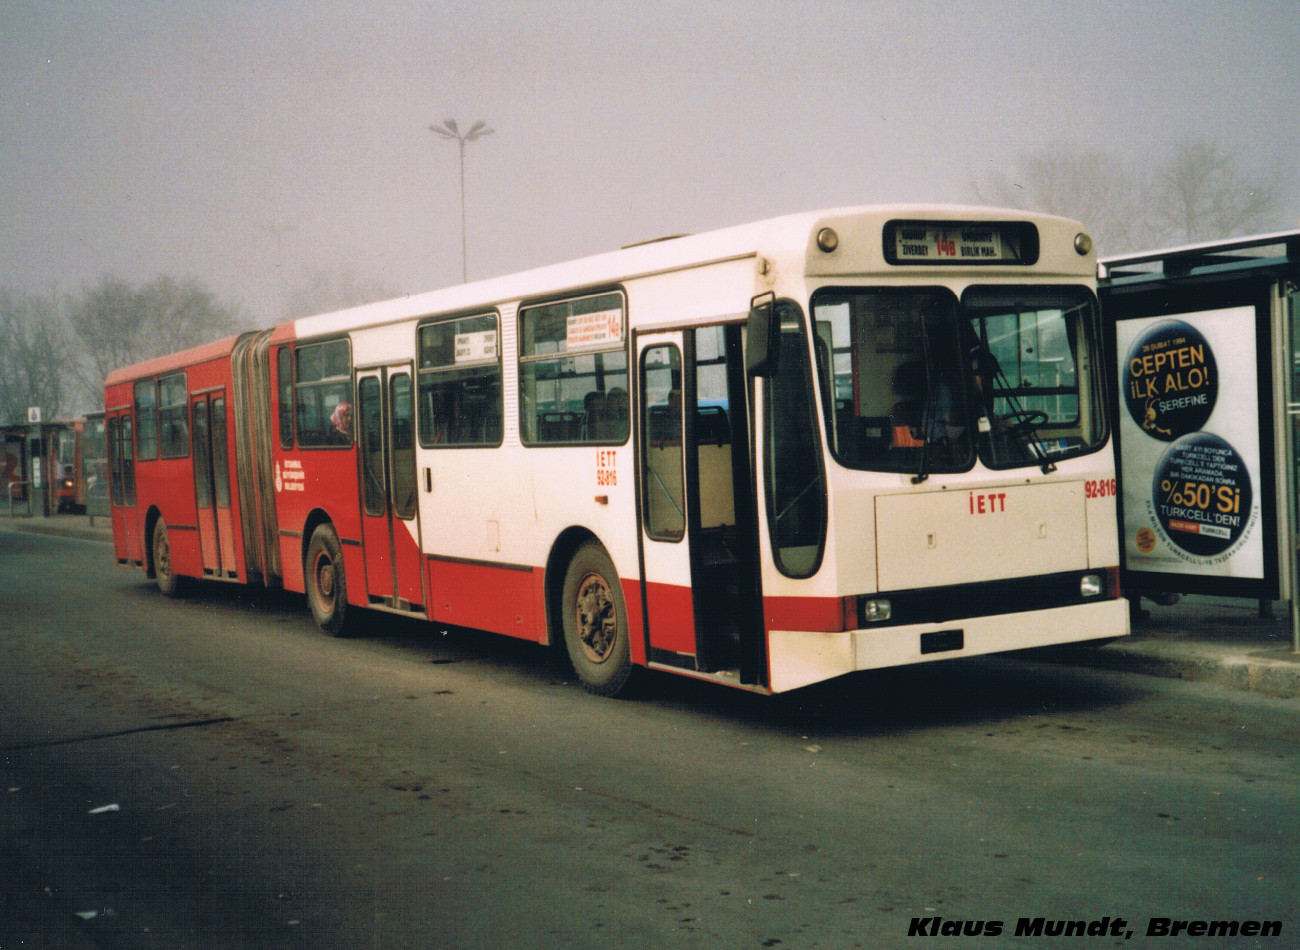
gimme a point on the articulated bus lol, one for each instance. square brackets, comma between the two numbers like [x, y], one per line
[764, 456]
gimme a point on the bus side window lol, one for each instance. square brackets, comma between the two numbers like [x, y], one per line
[146, 411]
[573, 373]
[323, 391]
[174, 416]
[460, 383]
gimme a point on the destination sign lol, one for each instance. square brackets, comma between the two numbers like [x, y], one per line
[957, 243]
[475, 347]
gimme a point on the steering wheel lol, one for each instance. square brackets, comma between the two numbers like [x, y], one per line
[1027, 418]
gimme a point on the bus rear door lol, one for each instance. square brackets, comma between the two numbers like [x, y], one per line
[212, 484]
[390, 529]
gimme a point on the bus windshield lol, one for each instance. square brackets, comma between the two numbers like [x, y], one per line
[917, 381]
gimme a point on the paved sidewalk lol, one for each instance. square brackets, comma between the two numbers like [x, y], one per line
[1213, 639]
[99, 528]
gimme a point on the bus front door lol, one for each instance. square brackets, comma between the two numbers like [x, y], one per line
[212, 485]
[385, 420]
[699, 578]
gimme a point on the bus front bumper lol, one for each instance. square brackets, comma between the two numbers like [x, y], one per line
[800, 658]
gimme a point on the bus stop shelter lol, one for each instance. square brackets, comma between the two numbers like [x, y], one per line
[1203, 353]
[22, 452]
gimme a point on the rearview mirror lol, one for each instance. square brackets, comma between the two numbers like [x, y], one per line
[762, 336]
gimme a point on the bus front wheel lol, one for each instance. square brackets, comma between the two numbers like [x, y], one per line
[595, 622]
[327, 586]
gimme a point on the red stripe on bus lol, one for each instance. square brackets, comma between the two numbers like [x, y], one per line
[672, 617]
[817, 614]
[484, 597]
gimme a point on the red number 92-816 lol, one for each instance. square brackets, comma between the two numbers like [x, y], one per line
[1100, 488]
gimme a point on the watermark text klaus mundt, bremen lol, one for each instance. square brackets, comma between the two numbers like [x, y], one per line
[1099, 927]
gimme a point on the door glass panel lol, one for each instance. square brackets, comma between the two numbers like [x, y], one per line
[403, 443]
[372, 447]
[661, 386]
[220, 453]
[128, 461]
[713, 450]
[796, 489]
[202, 459]
[115, 461]
[1293, 396]
[284, 374]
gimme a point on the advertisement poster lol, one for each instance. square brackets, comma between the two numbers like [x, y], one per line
[1189, 430]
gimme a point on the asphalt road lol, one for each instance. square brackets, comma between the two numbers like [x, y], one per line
[212, 772]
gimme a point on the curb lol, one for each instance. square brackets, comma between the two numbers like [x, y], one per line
[80, 532]
[1268, 670]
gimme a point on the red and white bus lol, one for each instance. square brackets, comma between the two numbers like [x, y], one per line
[764, 456]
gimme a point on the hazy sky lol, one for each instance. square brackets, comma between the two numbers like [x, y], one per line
[250, 144]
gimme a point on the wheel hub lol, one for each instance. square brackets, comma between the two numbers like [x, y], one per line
[325, 580]
[162, 556]
[597, 619]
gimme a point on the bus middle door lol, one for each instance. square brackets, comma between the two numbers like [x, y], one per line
[390, 529]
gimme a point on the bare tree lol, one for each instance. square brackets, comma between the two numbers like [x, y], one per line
[119, 324]
[1089, 185]
[33, 356]
[1202, 194]
[1199, 193]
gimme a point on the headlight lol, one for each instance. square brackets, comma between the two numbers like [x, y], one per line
[1090, 585]
[876, 611]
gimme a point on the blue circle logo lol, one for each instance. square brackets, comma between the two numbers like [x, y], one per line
[1170, 380]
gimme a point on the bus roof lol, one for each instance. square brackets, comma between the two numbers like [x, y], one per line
[784, 238]
[171, 361]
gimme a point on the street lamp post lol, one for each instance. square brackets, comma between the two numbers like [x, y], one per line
[450, 130]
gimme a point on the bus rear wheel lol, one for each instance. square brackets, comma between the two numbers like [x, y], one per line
[595, 622]
[163, 571]
[327, 586]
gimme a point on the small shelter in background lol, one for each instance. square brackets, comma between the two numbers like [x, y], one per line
[1203, 348]
[51, 467]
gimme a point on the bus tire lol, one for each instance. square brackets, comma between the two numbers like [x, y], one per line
[596, 631]
[164, 572]
[327, 586]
